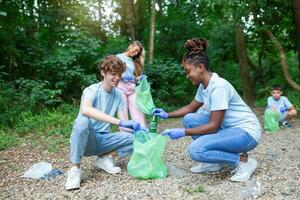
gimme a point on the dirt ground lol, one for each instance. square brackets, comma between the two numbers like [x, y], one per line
[278, 171]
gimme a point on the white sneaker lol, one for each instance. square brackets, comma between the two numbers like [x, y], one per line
[206, 167]
[244, 170]
[73, 180]
[107, 164]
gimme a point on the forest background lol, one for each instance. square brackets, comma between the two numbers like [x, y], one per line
[50, 50]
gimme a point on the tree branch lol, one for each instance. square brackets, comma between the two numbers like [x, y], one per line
[283, 62]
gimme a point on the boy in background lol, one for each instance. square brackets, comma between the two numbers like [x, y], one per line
[282, 105]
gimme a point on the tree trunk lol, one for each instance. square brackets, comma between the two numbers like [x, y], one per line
[152, 29]
[140, 18]
[296, 12]
[127, 21]
[244, 67]
[283, 62]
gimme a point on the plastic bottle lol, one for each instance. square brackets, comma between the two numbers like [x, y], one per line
[175, 171]
[253, 190]
[153, 125]
[52, 174]
[38, 170]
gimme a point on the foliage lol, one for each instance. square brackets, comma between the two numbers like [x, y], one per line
[50, 122]
[172, 89]
[11, 104]
[37, 93]
[7, 140]
[50, 51]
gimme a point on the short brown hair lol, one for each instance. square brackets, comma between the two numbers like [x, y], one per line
[276, 87]
[111, 64]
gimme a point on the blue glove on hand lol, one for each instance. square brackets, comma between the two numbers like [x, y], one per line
[283, 109]
[174, 133]
[128, 77]
[143, 76]
[160, 113]
[133, 125]
[145, 129]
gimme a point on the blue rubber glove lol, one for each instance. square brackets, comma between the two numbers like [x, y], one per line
[283, 109]
[143, 76]
[145, 129]
[174, 133]
[128, 77]
[160, 113]
[133, 125]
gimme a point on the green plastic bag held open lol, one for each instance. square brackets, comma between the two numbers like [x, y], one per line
[271, 119]
[146, 160]
[143, 98]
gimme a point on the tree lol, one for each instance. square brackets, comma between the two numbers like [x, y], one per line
[283, 61]
[296, 12]
[152, 29]
[244, 67]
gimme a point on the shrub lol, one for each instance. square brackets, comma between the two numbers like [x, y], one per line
[169, 85]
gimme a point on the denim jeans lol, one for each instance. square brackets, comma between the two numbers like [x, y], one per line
[223, 146]
[85, 141]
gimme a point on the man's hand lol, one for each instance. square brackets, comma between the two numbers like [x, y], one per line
[133, 125]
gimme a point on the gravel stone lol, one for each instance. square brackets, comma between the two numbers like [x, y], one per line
[278, 171]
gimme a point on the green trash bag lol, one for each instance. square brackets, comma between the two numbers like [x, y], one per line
[271, 119]
[144, 99]
[146, 160]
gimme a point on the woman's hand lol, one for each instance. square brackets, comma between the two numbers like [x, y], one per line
[174, 133]
[160, 113]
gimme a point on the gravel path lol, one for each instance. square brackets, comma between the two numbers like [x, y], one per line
[278, 171]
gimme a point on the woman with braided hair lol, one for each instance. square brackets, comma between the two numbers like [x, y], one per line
[225, 129]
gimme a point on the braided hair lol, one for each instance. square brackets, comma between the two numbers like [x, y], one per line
[196, 52]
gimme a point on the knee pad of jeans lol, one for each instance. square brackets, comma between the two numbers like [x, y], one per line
[187, 119]
[196, 153]
[82, 124]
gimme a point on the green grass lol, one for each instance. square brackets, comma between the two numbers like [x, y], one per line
[51, 127]
[198, 189]
[8, 139]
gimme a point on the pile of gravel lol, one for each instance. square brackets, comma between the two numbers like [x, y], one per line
[278, 171]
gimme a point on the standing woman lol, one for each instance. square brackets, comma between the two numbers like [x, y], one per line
[226, 131]
[134, 58]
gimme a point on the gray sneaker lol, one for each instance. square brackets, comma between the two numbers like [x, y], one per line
[206, 167]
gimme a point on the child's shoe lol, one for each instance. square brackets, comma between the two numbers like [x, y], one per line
[287, 124]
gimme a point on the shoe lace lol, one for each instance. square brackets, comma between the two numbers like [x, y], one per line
[109, 162]
[237, 171]
[73, 173]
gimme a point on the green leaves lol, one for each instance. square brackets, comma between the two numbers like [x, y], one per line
[169, 84]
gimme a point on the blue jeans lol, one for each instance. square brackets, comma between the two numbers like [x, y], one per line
[85, 141]
[224, 146]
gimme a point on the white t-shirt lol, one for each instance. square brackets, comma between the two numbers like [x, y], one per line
[221, 95]
[107, 102]
[282, 102]
[129, 64]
